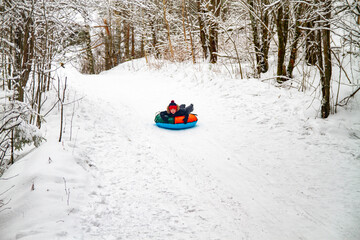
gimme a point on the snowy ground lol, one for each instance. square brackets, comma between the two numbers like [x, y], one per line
[257, 166]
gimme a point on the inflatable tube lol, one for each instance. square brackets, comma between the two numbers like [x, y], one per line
[177, 126]
[176, 123]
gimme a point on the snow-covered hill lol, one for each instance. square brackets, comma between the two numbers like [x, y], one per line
[259, 164]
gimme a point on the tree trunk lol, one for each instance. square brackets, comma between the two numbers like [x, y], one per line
[108, 47]
[168, 31]
[311, 41]
[191, 37]
[154, 39]
[358, 17]
[183, 23]
[18, 38]
[119, 41]
[265, 40]
[132, 43]
[282, 31]
[213, 35]
[142, 46]
[143, 35]
[61, 101]
[28, 45]
[127, 40]
[203, 37]
[12, 146]
[326, 80]
[294, 45]
[24, 39]
[213, 30]
[188, 20]
[89, 54]
[255, 34]
[39, 95]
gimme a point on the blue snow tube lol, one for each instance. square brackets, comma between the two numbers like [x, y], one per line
[176, 123]
[177, 126]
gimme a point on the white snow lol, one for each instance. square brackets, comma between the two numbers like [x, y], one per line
[259, 164]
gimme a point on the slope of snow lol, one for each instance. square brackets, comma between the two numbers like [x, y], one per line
[258, 165]
[42, 192]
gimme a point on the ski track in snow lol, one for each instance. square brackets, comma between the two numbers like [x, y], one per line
[250, 169]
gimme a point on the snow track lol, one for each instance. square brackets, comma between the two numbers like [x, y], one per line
[254, 168]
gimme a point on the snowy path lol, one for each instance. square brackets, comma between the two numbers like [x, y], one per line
[254, 168]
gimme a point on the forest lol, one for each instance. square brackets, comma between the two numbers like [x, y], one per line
[285, 42]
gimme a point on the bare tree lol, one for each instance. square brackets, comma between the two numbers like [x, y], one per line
[326, 68]
[282, 25]
[168, 29]
[298, 10]
[202, 27]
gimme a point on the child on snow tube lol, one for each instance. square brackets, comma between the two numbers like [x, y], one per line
[174, 110]
[176, 117]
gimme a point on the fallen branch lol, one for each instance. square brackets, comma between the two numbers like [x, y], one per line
[51, 108]
[9, 178]
[67, 191]
[275, 77]
[77, 100]
[347, 99]
[7, 190]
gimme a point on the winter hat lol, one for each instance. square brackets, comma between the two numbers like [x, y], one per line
[172, 105]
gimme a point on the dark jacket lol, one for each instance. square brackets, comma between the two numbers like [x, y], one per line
[181, 112]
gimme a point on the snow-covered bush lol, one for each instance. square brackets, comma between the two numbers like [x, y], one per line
[26, 134]
[15, 131]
